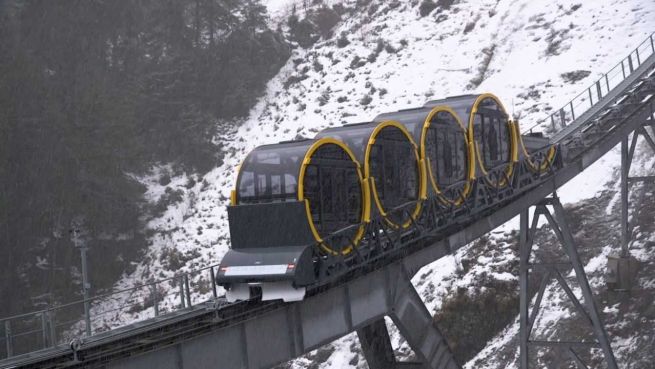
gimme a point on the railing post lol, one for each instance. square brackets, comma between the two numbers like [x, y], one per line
[623, 69]
[86, 286]
[638, 59]
[155, 298]
[212, 278]
[591, 99]
[562, 117]
[630, 63]
[44, 329]
[572, 113]
[652, 44]
[599, 90]
[625, 173]
[182, 306]
[607, 81]
[188, 290]
[10, 347]
[552, 121]
[51, 323]
[87, 317]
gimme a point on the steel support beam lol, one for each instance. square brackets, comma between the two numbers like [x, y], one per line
[625, 169]
[297, 328]
[377, 349]
[558, 223]
[9, 339]
[524, 255]
[622, 269]
[376, 345]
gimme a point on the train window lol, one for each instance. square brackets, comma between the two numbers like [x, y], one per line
[268, 158]
[493, 136]
[290, 185]
[325, 178]
[490, 140]
[451, 155]
[477, 129]
[497, 137]
[431, 154]
[269, 174]
[394, 168]
[247, 185]
[276, 185]
[353, 196]
[446, 150]
[337, 202]
[260, 187]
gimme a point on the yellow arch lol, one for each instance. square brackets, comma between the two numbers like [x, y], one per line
[535, 167]
[470, 155]
[421, 170]
[365, 194]
[513, 139]
[235, 191]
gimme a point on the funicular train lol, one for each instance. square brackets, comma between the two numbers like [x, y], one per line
[307, 208]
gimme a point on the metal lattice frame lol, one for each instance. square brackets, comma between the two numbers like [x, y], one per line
[557, 221]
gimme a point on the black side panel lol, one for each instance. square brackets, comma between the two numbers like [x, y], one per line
[269, 225]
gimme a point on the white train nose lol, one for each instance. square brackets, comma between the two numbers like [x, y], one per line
[283, 290]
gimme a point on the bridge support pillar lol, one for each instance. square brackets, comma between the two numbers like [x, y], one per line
[553, 271]
[622, 270]
[414, 322]
[376, 345]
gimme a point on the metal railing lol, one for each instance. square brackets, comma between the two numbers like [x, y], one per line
[59, 325]
[601, 88]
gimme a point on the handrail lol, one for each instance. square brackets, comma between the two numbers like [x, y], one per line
[599, 90]
[43, 329]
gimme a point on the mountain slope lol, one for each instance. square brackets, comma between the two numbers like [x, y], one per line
[534, 55]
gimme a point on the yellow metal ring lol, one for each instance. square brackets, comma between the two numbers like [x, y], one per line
[513, 140]
[365, 195]
[535, 167]
[367, 173]
[470, 156]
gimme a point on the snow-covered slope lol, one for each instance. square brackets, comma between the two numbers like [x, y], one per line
[527, 52]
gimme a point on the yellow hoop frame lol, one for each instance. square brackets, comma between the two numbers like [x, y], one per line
[550, 156]
[419, 162]
[513, 140]
[365, 217]
[235, 191]
[470, 176]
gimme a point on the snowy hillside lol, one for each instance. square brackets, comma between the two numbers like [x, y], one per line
[535, 55]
